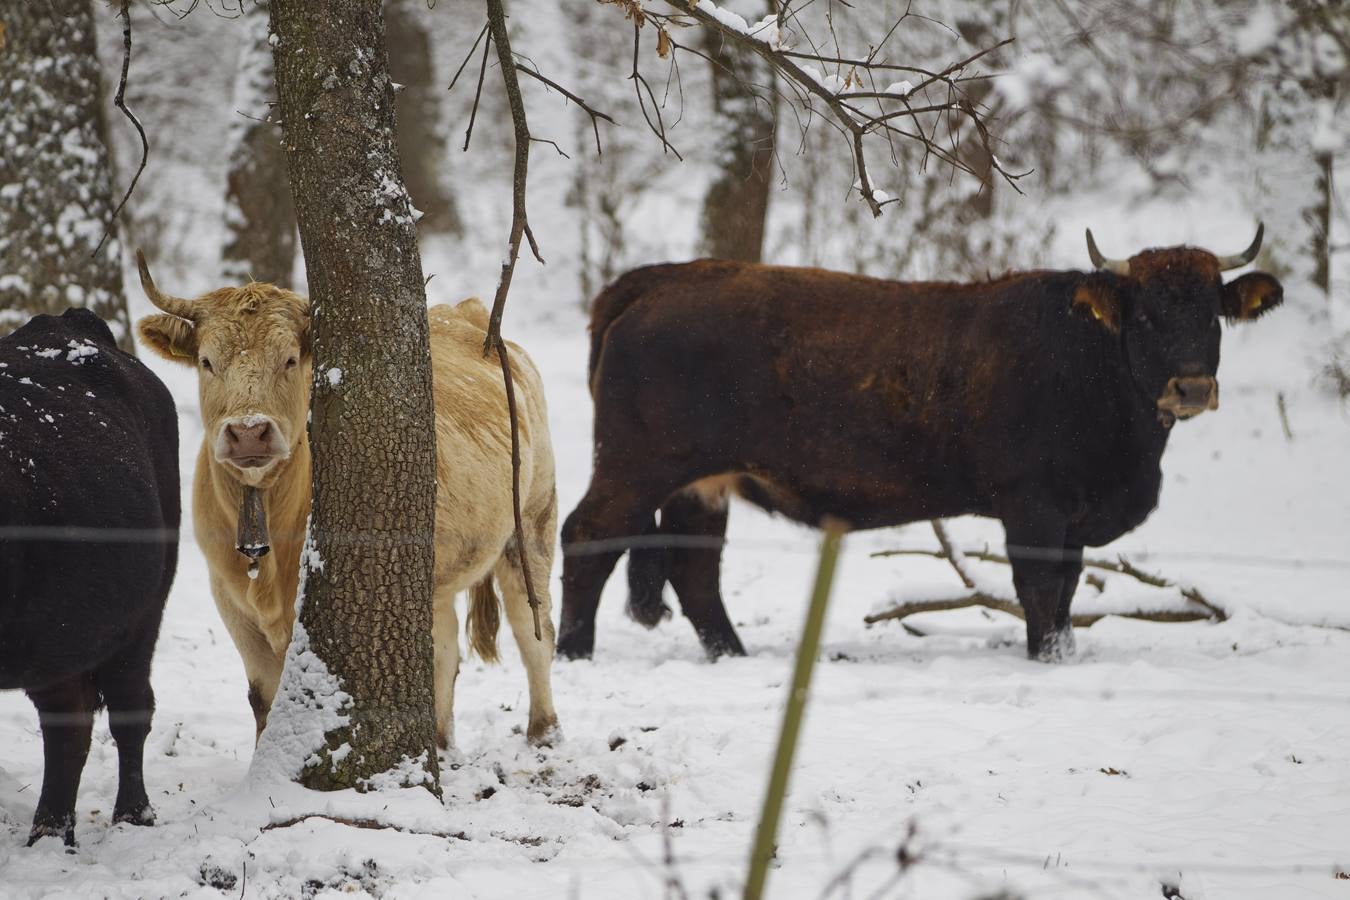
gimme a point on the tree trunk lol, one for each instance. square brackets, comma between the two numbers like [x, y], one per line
[259, 215]
[421, 144]
[366, 601]
[737, 202]
[55, 192]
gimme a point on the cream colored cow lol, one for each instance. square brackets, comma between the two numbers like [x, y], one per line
[250, 346]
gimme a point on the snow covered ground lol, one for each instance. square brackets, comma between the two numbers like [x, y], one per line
[1206, 757]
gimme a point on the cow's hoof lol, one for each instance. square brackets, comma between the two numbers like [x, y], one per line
[63, 830]
[136, 814]
[717, 646]
[1057, 646]
[646, 613]
[573, 645]
[544, 733]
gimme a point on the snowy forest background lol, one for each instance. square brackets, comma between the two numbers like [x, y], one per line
[1169, 104]
[1197, 760]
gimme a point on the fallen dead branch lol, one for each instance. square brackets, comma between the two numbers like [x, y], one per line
[373, 824]
[1211, 613]
[976, 598]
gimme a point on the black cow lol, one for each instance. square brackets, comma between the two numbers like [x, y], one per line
[89, 514]
[1042, 399]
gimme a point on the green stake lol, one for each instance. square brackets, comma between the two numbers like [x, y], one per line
[766, 834]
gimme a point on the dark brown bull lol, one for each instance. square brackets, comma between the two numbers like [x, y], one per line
[1042, 399]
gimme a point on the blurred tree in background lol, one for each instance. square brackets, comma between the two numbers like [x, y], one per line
[259, 214]
[55, 189]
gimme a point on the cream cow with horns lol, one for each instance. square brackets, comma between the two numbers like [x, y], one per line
[250, 346]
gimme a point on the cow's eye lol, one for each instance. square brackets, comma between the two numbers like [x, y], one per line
[206, 364]
[292, 362]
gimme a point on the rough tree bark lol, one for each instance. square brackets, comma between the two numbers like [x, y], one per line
[259, 215]
[366, 607]
[421, 145]
[55, 193]
[737, 202]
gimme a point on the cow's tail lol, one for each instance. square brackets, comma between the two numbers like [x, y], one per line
[485, 619]
[608, 305]
[648, 571]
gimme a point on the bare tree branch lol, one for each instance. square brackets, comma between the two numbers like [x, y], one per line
[1012, 608]
[595, 114]
[478, 91]
[854, 122]
[520, 227]
[120, 101]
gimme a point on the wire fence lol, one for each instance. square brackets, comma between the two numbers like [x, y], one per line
[806, 546]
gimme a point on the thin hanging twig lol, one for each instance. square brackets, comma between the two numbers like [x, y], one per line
[520, 227]
[120, 101]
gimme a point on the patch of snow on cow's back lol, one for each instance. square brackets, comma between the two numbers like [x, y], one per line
[79, 350]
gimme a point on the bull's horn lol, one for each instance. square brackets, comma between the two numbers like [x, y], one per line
[1238, 260]
[1119, 266]
[174, 306]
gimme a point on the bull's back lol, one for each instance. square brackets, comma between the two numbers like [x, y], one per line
[836, 390]
[88, 468]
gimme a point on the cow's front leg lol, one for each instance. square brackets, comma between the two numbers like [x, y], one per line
[66, 714]
[262, 664]
[1071, 569]
[1039, 563]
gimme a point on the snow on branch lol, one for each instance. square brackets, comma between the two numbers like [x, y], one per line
[862, 96]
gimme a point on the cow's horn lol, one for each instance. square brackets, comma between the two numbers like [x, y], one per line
[174, 306]
[1119, 266]
[1238, 260]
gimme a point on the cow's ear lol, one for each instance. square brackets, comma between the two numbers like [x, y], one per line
[171, 337]
[1251, 296]
[1098, 296]
[306, 341]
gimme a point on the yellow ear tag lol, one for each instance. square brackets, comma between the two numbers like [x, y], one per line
[1096, 313]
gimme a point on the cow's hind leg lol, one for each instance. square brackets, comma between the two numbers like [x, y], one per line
[66, 714]
[535, 653]
[593, 539]
[124, 682]
[648, 571]
[698, 528]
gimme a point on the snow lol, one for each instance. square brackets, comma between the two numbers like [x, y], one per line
[334, 376]
[80, 351]
[1220, 736]
[309, 704]
[1261, 29]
